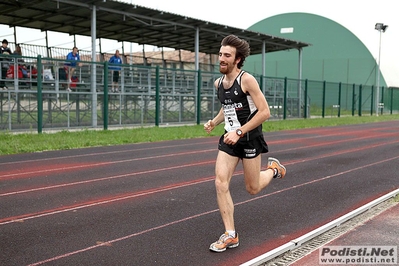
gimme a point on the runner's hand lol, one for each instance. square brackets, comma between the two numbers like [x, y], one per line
[209, 126]
[231, 138]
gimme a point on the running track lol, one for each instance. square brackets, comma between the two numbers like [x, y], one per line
[154, 203]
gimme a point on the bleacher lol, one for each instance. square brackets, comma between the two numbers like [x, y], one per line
[54, 58]
[134, 104]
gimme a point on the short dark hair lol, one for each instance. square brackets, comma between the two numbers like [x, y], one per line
[5, 41]
[241, 45]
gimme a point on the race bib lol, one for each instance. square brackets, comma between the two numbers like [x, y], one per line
[231, 122]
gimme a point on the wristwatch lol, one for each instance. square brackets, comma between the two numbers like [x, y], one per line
[239, 133]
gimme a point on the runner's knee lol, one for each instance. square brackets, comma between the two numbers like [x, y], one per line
[251, 189]
[222, 186]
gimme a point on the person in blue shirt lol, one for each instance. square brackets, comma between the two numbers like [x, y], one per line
[114, 61]
[72, 58]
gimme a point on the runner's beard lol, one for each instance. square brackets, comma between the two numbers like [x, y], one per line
[226, 69]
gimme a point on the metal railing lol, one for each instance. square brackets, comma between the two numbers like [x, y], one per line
[37, 98]
[32, 50]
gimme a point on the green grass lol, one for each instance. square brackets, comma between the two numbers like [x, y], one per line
[33, 142]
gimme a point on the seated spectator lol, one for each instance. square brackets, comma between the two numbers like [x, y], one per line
[18, 52]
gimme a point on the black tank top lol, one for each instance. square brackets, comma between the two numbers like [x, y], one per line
[238, 106]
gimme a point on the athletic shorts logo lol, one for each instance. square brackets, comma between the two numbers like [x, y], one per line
[249, 153]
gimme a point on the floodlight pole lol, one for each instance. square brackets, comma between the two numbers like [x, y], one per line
[381, 28]
[377, 96]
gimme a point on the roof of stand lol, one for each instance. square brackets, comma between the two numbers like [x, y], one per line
[132, 23]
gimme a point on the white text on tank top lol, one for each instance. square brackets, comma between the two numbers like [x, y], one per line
[230, 108]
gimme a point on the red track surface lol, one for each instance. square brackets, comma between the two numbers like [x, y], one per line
[154, 203]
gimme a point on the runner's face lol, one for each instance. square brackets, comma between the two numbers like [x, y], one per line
[227, 59]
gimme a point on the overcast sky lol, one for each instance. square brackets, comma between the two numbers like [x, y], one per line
[357, 16]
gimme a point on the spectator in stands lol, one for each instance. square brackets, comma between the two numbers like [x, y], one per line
[4, 50]
[117, 60]
[72, 57]
[18, 53]
[22, 67]
[17, 50]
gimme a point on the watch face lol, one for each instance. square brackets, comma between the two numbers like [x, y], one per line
[239, 132]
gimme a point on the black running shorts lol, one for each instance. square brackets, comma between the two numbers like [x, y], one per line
[244, 148]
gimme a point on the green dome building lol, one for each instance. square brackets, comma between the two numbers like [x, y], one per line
[340, 71]
[335, 54]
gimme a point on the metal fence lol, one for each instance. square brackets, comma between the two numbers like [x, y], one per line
[37, 98]
[143, 59]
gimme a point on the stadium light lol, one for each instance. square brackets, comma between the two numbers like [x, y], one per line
[381, 28]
